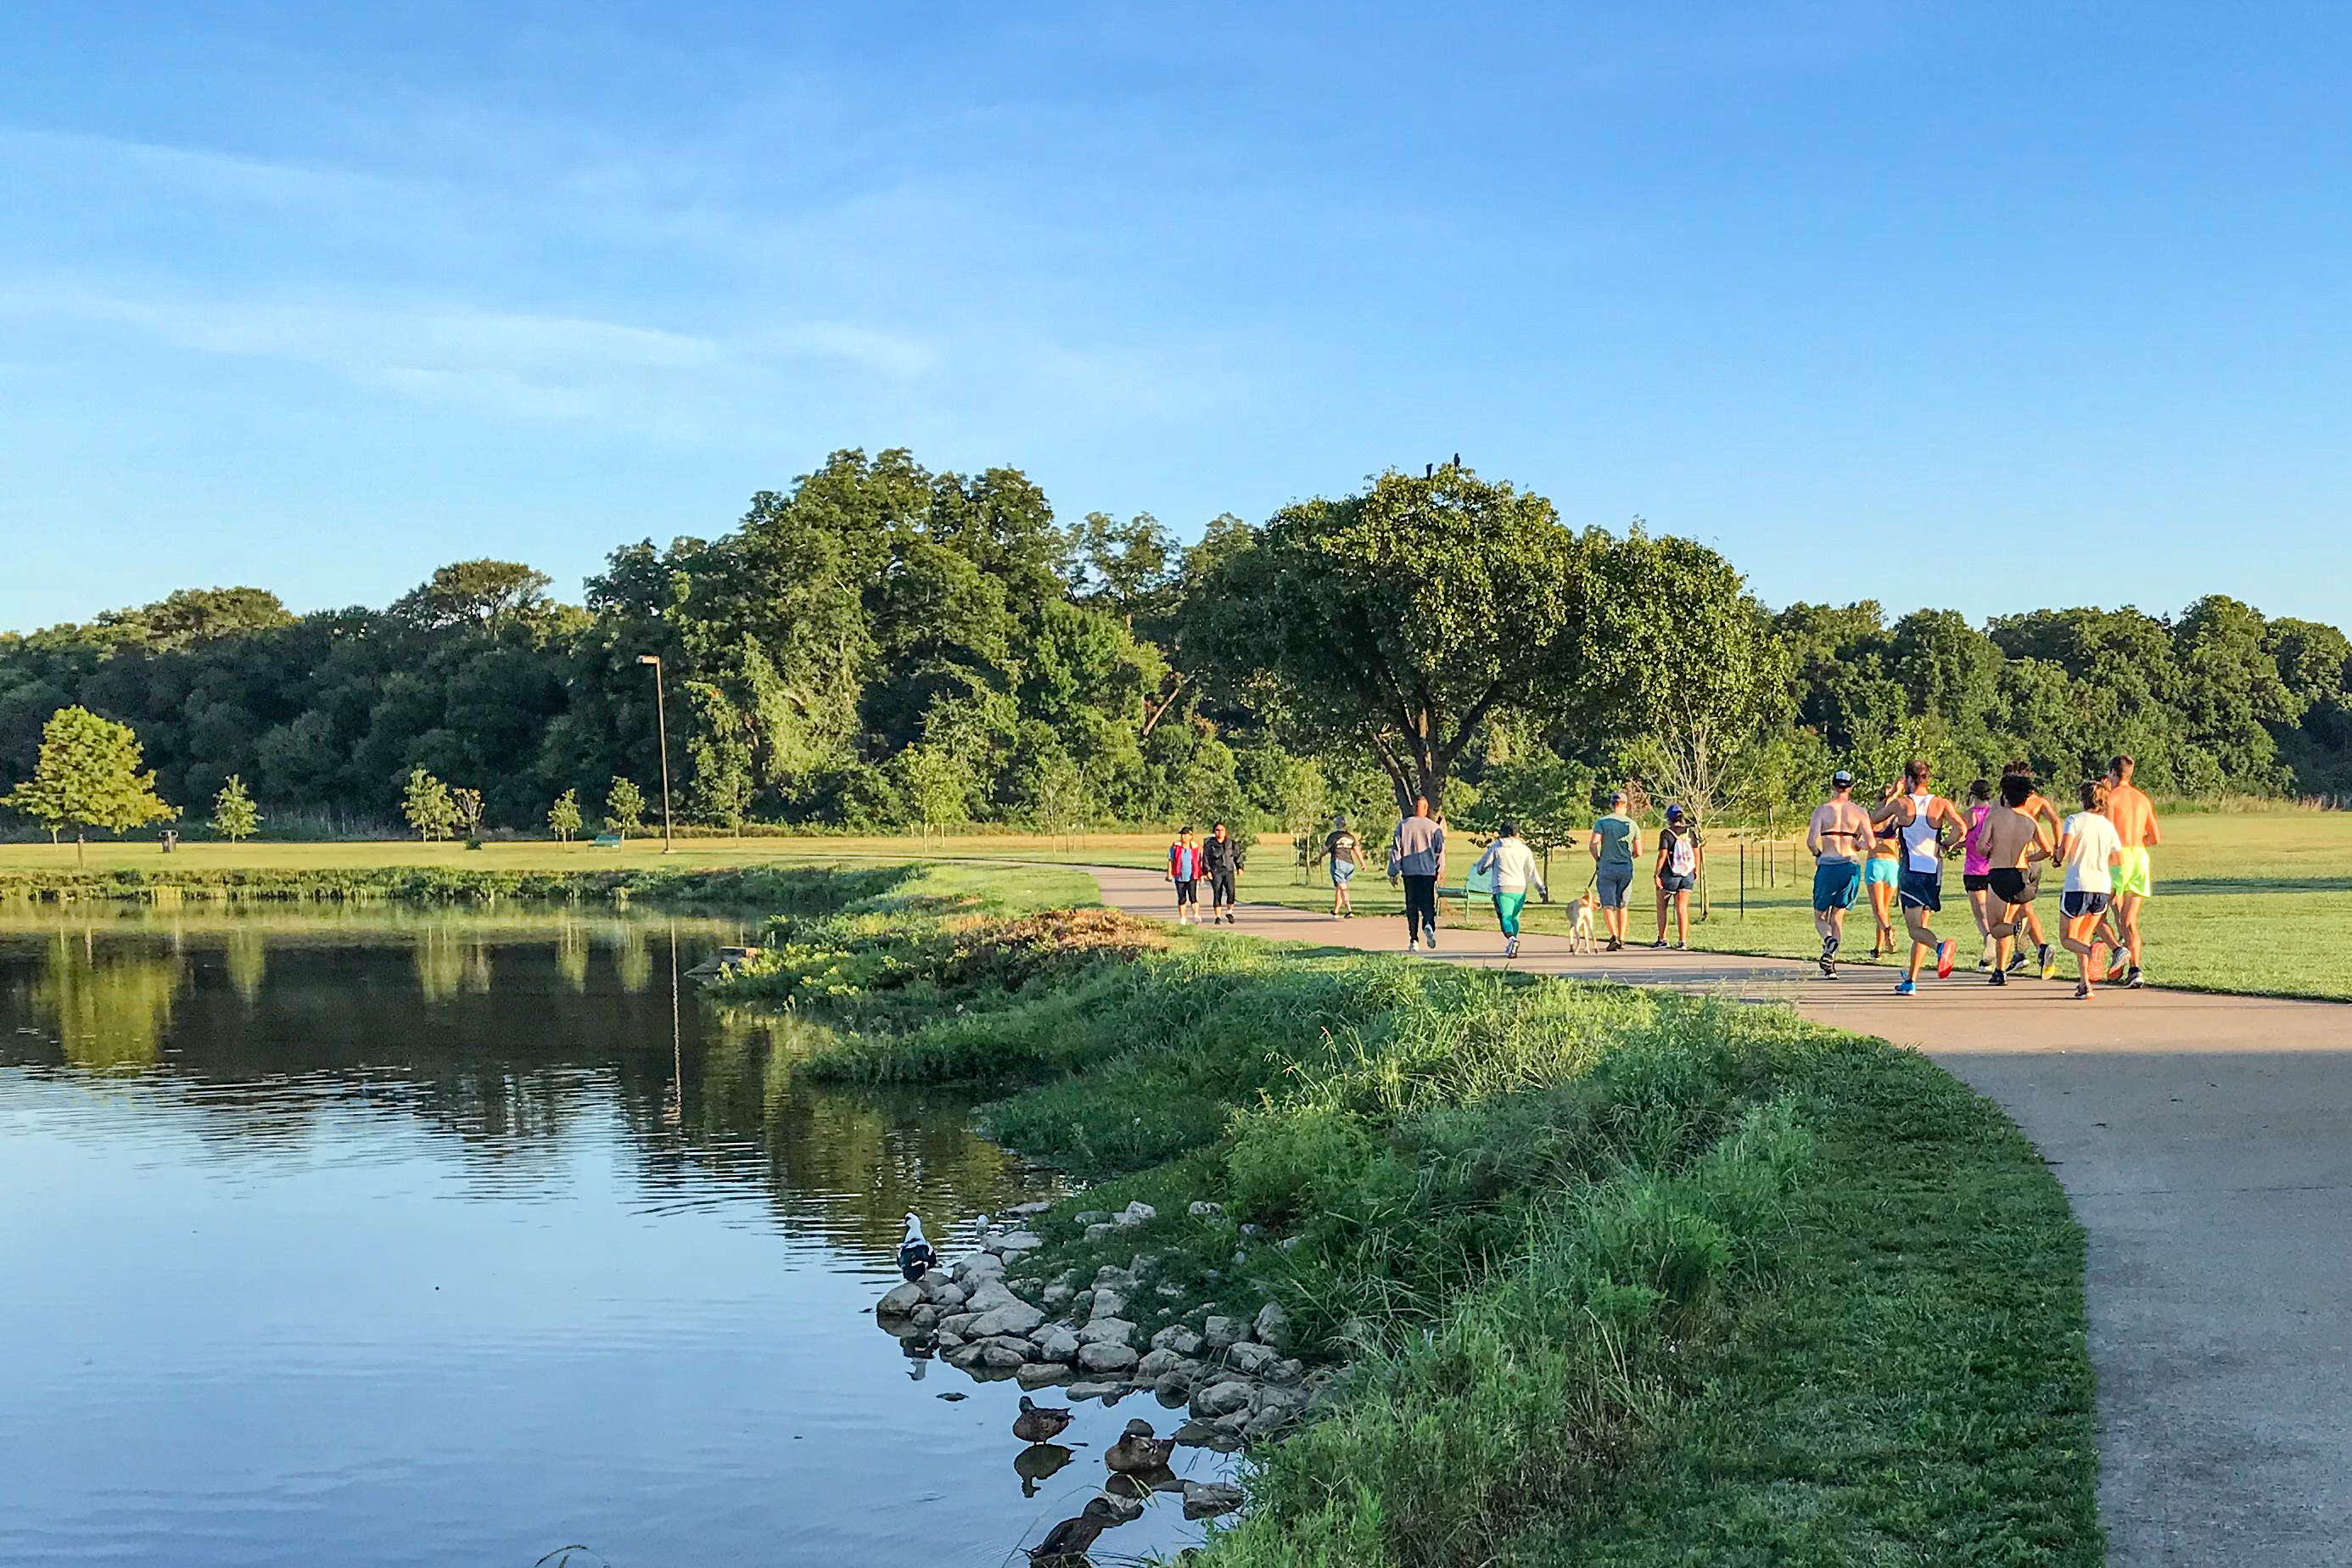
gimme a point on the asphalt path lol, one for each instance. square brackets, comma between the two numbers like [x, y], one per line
[2206, 1145]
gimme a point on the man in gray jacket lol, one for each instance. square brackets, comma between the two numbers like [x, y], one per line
[1417, 854]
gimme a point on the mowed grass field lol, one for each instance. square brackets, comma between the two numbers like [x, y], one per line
[2256, 902]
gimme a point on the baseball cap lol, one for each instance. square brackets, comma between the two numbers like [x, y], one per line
[1840, 777]
[1674, 814]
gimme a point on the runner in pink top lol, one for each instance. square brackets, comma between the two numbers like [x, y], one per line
[1975, 872]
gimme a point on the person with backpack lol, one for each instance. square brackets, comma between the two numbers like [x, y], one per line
[1185, 871]
[1679, 860]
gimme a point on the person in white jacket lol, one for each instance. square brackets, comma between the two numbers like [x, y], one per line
[1513, 867]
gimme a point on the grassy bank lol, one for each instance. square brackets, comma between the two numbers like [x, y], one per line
[1623, 1277]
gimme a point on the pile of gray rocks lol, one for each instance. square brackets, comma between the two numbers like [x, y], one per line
[1234, 1375]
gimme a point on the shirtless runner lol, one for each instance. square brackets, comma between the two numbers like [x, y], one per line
[2038, 807]
[1931, 827]
[2134, 816]
[2011, 840]
[1839, 837]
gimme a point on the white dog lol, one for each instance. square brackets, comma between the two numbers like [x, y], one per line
[1580, 923]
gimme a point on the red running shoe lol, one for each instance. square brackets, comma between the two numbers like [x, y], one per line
[1943, 958]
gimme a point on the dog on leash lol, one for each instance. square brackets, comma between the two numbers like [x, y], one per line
[1581, 916]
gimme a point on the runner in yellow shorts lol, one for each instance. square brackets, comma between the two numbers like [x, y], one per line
[2134, 816]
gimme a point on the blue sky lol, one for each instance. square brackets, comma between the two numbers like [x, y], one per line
[320, 298]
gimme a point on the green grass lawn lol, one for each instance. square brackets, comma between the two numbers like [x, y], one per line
[2254, 902]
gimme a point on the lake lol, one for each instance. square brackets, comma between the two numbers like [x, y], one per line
[368, 1238]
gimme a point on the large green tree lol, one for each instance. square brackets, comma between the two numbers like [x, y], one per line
[1406, 616]
[89, 776]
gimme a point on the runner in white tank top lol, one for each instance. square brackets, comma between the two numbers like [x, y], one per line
[1922, 818]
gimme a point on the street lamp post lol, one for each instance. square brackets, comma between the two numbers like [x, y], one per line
[661, 728]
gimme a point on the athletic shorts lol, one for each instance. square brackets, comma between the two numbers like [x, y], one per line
[1671, 883]
[2132, 876]
[1341, 871]
[1835, 883]
[2008, 885]
[1879, 869]
[1187, 893]
[1610, 883]
[1922, 889]
[1976, 881]
[2075, 906]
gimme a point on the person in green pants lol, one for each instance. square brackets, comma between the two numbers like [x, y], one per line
[1513, 867]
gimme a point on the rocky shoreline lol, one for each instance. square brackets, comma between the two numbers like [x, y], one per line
[1235, 1378]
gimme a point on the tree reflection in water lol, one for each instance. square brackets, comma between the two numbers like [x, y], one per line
[503, 1037]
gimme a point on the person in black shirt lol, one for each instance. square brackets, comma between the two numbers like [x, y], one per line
[1221, 857]
[1346, 853]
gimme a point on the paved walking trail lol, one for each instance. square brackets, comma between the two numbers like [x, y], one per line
[2206, 1145]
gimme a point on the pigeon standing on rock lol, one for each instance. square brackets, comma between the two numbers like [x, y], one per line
[916, 1258]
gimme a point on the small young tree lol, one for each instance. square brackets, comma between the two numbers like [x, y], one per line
[428, 806]
[936, 783]
[563, 816]
[468, 805]
[624, 807]
[89, 777]
[234, 817]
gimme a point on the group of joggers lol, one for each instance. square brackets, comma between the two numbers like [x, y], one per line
[1895, 849]
[2008, 835]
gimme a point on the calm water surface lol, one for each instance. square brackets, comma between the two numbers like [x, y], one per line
[370, 1239]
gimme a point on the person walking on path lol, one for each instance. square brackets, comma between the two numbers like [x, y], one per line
[1185, 871]
[1679, 859]
[1931, 828]
[1880, 872]
[1975, 868]
[1222, 859]
[1616, 845]
[2038, 807]
[2092, 853]
[2134, 818]
[1346, 853]
[1417, 855]
[1838, 837]
[2012, 841]
[1513, 865]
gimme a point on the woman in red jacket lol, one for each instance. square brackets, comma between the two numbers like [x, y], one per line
[1185, 871]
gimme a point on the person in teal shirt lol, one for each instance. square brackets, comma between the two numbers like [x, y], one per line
[1616, 845]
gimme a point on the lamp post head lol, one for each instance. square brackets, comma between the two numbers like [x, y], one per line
[649, 658]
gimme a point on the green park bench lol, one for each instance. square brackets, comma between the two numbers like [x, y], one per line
[607, 841]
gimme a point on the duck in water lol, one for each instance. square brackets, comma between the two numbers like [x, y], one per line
[1066, 1544]
[1039, 1423]
[1138, 1452]
[916, 1258]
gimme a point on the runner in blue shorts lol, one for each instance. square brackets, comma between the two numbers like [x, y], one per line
[1839, 837]
[1931, 827]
